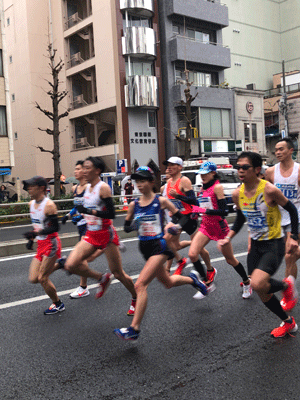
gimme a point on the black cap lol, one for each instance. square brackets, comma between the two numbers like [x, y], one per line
[35, 181]
[143, 173]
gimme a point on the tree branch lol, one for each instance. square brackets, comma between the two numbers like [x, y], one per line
[65, 114]
[48, 114]
[49, 131]
[44, 150]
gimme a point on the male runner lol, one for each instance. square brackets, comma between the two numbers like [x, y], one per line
[258, 201]
[43, 214]
[285, 175]
[98, 210]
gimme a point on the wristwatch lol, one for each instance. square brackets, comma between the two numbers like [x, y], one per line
[294, 236]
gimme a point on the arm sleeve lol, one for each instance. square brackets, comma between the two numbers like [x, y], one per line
[292, 210]
[239, 221]
[222, 210]
[189, 198]
[127, 226]
[109, 213]
[73, 211]
[52, 225]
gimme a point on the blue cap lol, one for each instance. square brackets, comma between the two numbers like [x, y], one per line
[207, 167]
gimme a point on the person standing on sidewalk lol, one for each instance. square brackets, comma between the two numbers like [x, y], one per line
[43, 214]
[257, 201]
[285, 175]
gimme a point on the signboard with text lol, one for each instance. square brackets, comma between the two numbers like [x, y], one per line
[122, 166]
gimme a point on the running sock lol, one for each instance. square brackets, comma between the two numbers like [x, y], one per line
[83, 287]
[274, 305]
[61, 263]
[199, 267]
[241, 271]
[57, 303]
[276, 286]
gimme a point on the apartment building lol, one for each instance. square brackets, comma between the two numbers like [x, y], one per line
[6, 140]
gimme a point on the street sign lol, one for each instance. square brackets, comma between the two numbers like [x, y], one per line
[283, 135]
[122, 166]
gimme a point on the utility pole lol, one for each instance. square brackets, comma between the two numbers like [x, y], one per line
[283, 104]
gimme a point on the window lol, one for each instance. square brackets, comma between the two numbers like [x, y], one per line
[137, 21]
[198, 78]
[215, 122]
[176, 29]
[7, 21]
[10, 59]
[247, 133]
[13, 98]
[151, 119]
[3, 130]
[254, 133]
[198, 35]
[139, 68]
[16, 135]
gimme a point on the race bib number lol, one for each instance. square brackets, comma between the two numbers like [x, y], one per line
[94, 223]
[149, 225]
[256, 221]
[205, 202]
[289, 191]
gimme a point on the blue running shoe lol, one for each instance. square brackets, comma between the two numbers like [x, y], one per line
[53, 309]
[197, 283]
[61, 262]
[127, 333]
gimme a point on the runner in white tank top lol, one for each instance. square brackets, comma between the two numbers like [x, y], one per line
[43, 213]
[285, 175]
[98, 210]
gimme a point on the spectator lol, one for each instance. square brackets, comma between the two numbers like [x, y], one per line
[128, 190]
[4, 195]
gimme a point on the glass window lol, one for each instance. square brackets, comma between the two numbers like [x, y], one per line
[3, 129]
[214, 122]
[147, 69]
[13, 98]
[199, 36]
[8, 21]
[254, 133]
[176, 29]
[151, 119]
[207, 79]
[205, 38]
[1, 63]
[10, 59]
[247, 133]
[226, 123]
[191, 33]
[137, 68]
[205, 122]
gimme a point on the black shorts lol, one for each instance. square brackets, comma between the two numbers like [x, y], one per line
[154, 247]
[188, 224]
[266, 255]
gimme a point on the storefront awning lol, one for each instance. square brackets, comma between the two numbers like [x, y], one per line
[5, 171]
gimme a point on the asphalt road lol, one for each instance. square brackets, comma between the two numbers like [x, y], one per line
[216, 348]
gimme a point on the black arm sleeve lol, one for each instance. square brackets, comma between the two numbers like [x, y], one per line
[239, 221]
[127, 226]
[222, 209]
[109, 213]
[292, 210]
[52, 225]
[189, 198]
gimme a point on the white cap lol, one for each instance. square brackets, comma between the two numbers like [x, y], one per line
[174, 160]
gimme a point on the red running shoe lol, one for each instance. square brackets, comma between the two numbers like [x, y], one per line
[131, 310]
[210, 276]
[284, 328]
[290, 294]
[180, 266]
[103, 285]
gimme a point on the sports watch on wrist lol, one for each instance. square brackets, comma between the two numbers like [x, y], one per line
[294, 236]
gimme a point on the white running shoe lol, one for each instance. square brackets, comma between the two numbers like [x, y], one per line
[79, 292]
[247, 291]
[199, 296]
[122, 247]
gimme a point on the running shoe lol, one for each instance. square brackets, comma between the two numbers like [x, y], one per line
[175, 230]
[284, 328]
[180, 266]
[197, 283]
[199, 296]
[290, 294]
[247, 291]
[54, 309]
[122, 247]
[79, 292]
[103, 285]
[127, 333]
[61, 262]
[131, 310]
[211, 275]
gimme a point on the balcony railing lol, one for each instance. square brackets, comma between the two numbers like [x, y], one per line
[144, 8]
[279, 91]
[78, 102]
[75, 60]
[141, 91]
[139, 41]
[81, 144]
[72, 20]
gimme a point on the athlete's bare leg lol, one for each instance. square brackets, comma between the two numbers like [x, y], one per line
[40, 271]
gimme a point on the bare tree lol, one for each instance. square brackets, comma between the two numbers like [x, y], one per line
[56, 97]
[188, 116]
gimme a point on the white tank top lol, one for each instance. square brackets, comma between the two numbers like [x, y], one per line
[92, 200]
[38, 216]
[290, 188]
[168, 218]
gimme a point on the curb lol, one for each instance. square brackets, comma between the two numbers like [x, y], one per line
[17, 247]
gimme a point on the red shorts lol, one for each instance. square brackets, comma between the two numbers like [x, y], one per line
[100, 239]
[48, 248]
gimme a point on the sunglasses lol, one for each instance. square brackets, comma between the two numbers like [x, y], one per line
[244, 167]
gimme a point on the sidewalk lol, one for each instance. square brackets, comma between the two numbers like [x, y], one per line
[16, 247]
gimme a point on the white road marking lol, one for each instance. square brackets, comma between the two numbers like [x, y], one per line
[66, 292]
